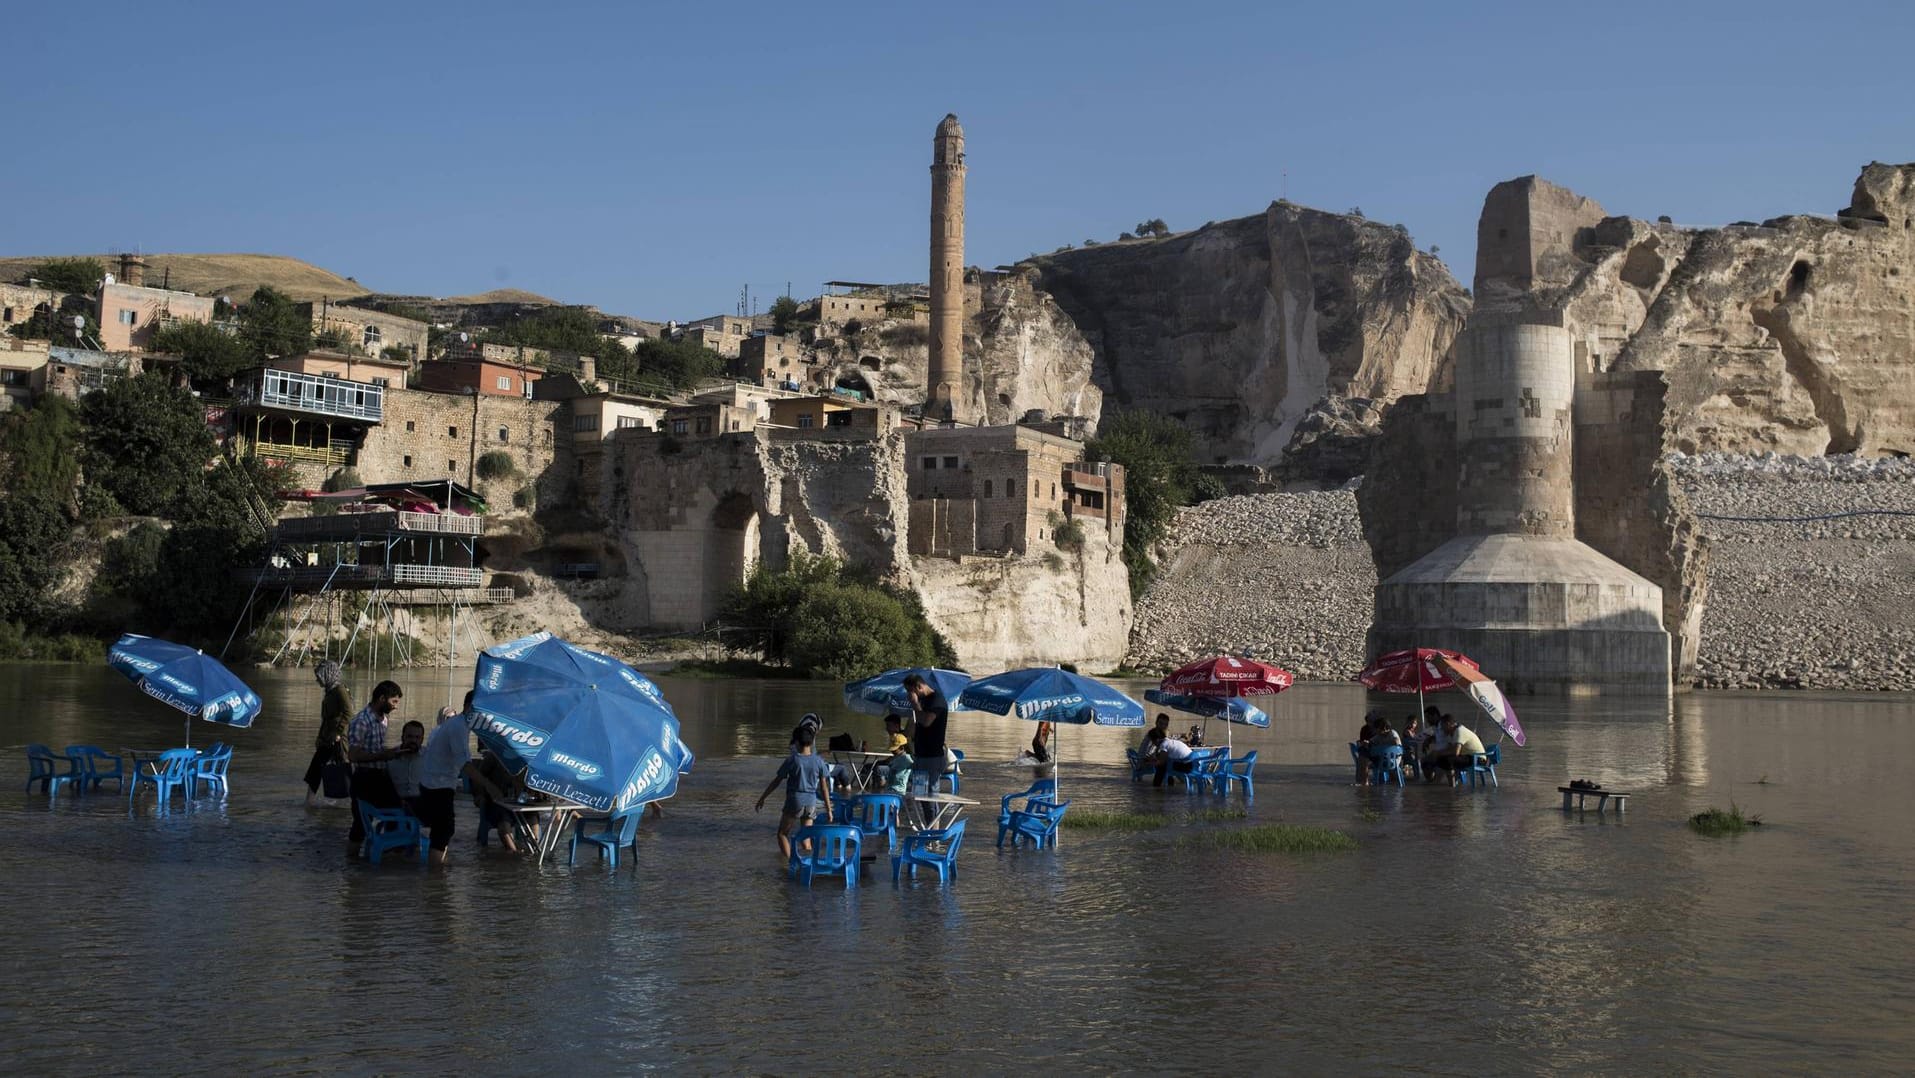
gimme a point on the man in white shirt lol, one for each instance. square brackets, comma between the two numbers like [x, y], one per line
[447, 758]
[1169, 754]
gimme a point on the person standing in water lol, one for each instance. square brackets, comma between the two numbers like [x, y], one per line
[335, 711]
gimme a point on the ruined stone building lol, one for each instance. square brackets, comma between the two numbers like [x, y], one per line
[1004, 490]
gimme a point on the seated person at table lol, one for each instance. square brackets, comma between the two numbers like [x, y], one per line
[807, 795]
[1435, 747]
[1464, 746]
[493, 784]
[1382, 736]
[1412, 741]
[1162, 727]
[405, 770]
[1370, 719]
[1169, 754]
[894, 739]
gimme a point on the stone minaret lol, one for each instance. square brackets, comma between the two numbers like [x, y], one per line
[944, 399]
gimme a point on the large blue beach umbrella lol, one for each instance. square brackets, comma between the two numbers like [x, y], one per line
[185, 679]
[1050, 694]
[882, 694]
[583, 726]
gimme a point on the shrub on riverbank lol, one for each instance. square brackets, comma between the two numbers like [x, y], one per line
[820, 620]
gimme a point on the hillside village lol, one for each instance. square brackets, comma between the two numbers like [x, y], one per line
[615, 501]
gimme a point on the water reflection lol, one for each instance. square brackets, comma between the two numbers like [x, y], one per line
[1510, 936]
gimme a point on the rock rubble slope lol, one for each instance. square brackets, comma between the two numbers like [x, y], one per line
[1824, 603]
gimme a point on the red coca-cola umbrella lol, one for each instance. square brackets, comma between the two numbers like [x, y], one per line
[1228, 675]
[1417, 670]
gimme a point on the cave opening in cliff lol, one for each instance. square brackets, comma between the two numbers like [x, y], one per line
[1798, 279]
[854, 382]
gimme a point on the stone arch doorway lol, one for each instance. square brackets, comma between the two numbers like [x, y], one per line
[731, 551]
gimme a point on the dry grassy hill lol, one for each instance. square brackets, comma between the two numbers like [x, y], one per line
[235, 275]
[503, 295]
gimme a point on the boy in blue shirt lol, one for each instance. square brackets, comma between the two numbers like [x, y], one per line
[807, 779]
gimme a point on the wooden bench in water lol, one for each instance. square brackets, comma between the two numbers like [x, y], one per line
[1603, 797]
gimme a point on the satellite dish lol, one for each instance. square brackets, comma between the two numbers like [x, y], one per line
[79, 323]
[108, 279]
[463, 338]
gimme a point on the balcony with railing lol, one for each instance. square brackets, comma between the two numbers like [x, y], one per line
[349, 526]
[361, 577]
[310, 394]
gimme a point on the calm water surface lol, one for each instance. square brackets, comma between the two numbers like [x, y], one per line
[1472, 932]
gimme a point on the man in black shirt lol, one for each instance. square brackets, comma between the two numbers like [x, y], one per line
[929, 712]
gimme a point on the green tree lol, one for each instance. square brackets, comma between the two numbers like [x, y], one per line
[69, 274]
[848, 631]
[569, 329]
[146, 442]
[680, 364]
[33, 533]
[42, 450]
[784, 310]
[1153, 227]
[272, 325]
[1159, 477]
[208, 354]
[764, 610]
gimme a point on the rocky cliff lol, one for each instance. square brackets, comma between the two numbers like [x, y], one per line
[1240, 327]
[1796, 335]
[1022, 353]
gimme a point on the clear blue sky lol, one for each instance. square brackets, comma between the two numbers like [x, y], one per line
[652, 158]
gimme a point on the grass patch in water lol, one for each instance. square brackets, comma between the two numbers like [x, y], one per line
[1217, 815]
[1371, 816]
[1098, 820]
[1717, 822]
[1274, 838]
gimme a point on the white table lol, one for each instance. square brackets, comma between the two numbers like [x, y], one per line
[862, 766]
[541, 835]
[948, 807]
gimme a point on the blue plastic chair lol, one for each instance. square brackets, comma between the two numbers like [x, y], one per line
[619, 831]
[1041, 790]
[172, 768]
[834, 852]
[1138, 768]
[1238, 770]
[1037, 821]
[1386, 764]
[210, 768]
[877, 814]
[952, 775]
[389, 829]
[1205, 770]
[931, 849]
[1483, 763]
[50, 769]
[91, 763]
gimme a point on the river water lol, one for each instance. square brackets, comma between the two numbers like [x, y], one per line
[1475, 932]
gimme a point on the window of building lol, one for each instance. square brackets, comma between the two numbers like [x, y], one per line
[804, 421]
[129, 318]
[1036, 488]
[407, 460]
[950, 462]
[679, 426]
[382, 382]
[505, 434]
[329, 374]
[452, 432]
[929, 464]
[9, 315]
[13, 378]
[704, 424]
[584, 423]
[371, 338]
[626, 422]
[451, 466]
[987, 488]
[505, 382]
[1053, 491]
[409, 427]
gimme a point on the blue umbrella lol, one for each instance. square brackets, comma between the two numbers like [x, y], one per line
[583, 726]
[186, 679]
[1050, 694]
[882, 694]
[1236, 709]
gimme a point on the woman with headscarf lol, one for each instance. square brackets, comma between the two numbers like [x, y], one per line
[335, 711]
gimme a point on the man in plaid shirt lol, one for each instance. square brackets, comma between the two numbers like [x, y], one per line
[366, 749]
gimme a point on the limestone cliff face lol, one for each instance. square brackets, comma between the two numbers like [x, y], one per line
[1003, 613]
[1022, 353]
[1796, 335]
[1240, 327]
